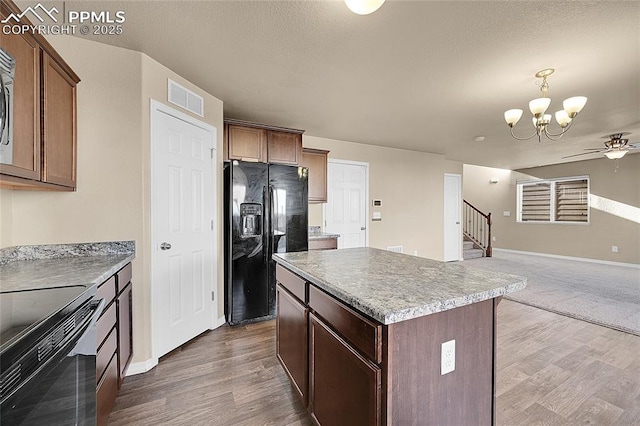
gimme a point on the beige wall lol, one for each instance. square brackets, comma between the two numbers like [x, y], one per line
[112, 201]
[6, 218]
[592, 241]
[410, 185]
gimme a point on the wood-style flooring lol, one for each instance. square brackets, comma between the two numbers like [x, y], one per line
[552, 370]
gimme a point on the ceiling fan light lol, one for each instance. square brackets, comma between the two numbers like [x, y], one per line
[539, 106]
[574, 105]
[512, 116]
[563, 119]
[363, 7]
[614, 155]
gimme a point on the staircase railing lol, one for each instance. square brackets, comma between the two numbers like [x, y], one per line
[477, 227]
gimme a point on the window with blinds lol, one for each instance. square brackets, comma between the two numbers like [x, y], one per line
[563, 200]
[572, 201]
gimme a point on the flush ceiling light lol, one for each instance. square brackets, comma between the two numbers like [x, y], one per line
[538, 107]
[363, 7]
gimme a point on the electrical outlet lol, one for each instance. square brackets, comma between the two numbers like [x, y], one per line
[614, 249]
[448, 357]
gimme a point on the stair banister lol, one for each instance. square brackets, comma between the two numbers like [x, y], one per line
[477, 227]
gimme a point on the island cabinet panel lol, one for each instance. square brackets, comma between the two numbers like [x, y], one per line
[292, 338]
[364, 334]
[416, 388]
[293, 283]
[345, 387]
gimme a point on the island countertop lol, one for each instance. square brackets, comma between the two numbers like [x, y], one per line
[392, 287]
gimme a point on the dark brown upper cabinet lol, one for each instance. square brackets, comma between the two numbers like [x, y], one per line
[44, 114]
[316, 161]
[248, 141]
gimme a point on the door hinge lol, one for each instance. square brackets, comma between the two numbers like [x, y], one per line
[213, 295]
[212, 150]
[212, 224]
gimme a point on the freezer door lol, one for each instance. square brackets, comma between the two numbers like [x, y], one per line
[248, 289]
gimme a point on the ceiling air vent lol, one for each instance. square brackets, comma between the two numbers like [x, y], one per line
[184, 98]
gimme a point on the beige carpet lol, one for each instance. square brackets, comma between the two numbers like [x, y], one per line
[607, 295]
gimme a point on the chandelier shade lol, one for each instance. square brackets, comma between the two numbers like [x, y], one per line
[538, 107]
[363, 7]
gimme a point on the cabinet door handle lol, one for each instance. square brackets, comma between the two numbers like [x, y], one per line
[165, 246]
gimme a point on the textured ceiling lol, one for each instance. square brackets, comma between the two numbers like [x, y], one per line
[421, 75]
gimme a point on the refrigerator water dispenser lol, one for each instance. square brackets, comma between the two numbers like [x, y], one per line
[251, 219]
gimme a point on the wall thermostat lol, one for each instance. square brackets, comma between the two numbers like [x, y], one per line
[377, 203]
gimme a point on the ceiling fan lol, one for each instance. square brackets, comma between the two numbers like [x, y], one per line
[615, 147]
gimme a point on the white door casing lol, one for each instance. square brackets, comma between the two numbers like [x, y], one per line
[183, 252]
[346, 210]
[452, 217]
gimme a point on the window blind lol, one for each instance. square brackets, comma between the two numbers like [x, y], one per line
[536, 202]
[572, 201]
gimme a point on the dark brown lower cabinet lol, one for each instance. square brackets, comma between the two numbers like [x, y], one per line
[351, 370]
[291, 331]
[106, 391]
[114, 340]
[125, 343]
[345, 388]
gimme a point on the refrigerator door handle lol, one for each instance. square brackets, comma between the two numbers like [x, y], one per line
[272, 248]
[265, 223]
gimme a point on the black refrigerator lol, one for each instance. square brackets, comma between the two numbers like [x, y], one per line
[266, 212]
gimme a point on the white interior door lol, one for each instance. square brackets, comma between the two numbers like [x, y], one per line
[183, 235]
[452, 212]
[345, 212]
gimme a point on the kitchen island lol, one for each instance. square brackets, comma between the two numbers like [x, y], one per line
[360, 332]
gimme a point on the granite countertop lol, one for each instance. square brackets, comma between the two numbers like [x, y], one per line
[62, 265]
[322, 235]
[393, 287]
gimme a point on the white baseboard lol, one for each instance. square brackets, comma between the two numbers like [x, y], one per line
[219, 322]
[579, 259]
[141, 367]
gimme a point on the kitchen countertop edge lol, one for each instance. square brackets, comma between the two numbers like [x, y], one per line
[391, 317]
[62, 268]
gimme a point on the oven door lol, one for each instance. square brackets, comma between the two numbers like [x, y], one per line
[62, 391]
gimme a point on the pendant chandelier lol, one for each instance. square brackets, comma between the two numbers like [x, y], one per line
[538, 107]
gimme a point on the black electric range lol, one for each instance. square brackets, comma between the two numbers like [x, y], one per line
[22, 311]
[47, 355]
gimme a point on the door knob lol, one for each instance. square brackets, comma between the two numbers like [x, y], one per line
[362, 228]
[457, 223]
[165, 246]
